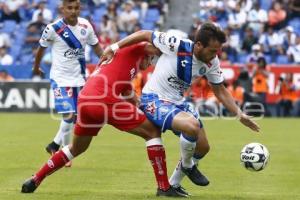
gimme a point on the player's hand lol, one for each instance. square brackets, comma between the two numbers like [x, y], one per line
[37, 71]
[107, 55]
[247, 121]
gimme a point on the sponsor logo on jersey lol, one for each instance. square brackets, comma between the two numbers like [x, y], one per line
[83, 32]
[74, 53]
[178, 84]
[202, 70]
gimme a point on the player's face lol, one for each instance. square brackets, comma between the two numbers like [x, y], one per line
[146, 62]
[206, 54]
[71, 11]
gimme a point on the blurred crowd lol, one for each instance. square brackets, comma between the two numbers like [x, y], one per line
[255, 28]
[260, 32]
[22, 22]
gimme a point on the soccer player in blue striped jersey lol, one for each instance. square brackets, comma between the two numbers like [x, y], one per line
[162, 98]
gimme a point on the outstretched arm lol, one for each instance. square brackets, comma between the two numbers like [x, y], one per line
[98, 50]
[139, 36]
[225, 97]
[37, 61]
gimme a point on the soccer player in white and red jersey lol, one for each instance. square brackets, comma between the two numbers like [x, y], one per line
[100, 103]
[162, 98]
[68, 37]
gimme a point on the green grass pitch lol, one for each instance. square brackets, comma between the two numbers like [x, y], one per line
[116, 165]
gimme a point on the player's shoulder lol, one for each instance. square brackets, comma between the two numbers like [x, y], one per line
[215, 63]
[84, 22]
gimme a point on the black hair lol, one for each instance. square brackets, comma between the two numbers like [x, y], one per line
[207, 32]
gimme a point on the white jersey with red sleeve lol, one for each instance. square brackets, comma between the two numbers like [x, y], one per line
[68, 47]
[177, 66]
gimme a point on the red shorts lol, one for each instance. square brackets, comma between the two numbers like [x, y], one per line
[93, 115]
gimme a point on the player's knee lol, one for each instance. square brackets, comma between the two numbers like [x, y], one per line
[206, 148]
[150, 134]
[192, 127]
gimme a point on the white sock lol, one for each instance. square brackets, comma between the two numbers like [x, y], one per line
[177, 176]
[67, 152]
[187, 149]
[63, 136]
[154, 141]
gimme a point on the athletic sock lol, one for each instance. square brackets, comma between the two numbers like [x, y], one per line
[187, 149]
[177, 175]
[63, 135]
[58, 160]
[196, 158]
[157, 157]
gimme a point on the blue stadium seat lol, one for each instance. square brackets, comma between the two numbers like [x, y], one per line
[152, 15]
[9, 26]
[148, 25]
[268, 58]
[122, 35]
[98, 13]
[282, 59]
[265, 4]
[242, 58]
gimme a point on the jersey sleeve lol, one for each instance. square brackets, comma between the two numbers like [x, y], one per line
[47, 36]
[214, 75]
[166, 42]
[92, 37]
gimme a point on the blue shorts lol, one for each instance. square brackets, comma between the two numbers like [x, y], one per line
[162, 113]
[65, 98]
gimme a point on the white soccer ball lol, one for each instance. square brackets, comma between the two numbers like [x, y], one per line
[254, 156]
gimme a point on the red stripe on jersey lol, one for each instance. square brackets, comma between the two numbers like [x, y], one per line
[61, 29]
[184, 53]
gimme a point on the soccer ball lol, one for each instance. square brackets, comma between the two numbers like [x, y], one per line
[254, 156]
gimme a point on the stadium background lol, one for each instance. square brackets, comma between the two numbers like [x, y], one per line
[266, 30]
[116, 166]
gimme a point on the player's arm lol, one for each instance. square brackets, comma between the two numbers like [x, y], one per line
[134, 38]
[45, 41]
[225, 97]
[97, 50]
[151, 50]
[39, 55]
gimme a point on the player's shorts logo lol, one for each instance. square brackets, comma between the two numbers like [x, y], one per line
[83, 32]
[151, 108]
[57, 93]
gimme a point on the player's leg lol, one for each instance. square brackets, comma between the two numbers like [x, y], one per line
[85, 129]
[201, 149]
[65, 103]
[138, 125]
[57, 161]
[63, 135]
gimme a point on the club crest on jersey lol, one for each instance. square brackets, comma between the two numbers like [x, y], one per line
[83, 32]
[202, 70]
